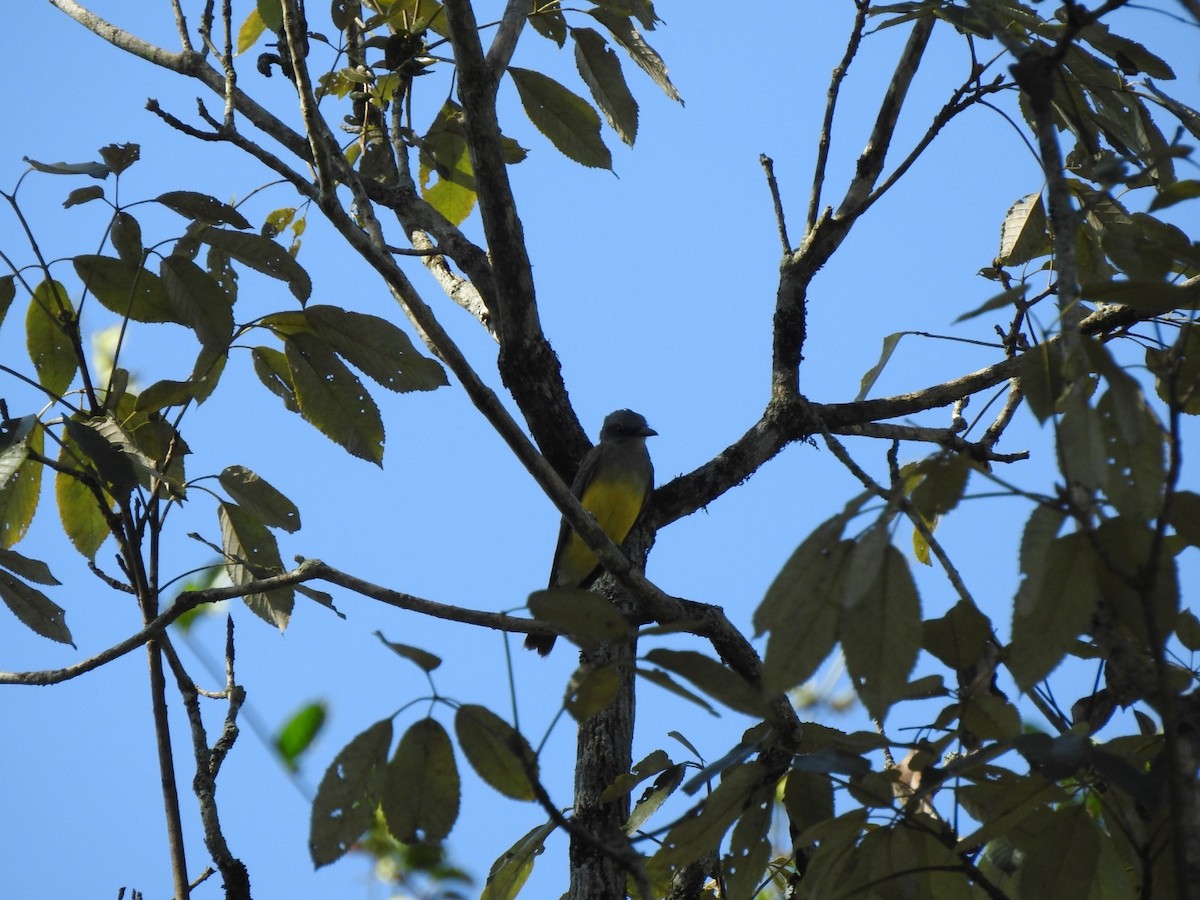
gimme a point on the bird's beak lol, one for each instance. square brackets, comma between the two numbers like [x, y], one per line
[648, 432]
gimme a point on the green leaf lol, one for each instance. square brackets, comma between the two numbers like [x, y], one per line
[550, 23]
[585, 617]
[1025, 232]
[272, 370]
[499, 754]
[271, 12]
[298, 733]
[1150, 297]
[592, 693]
[47, 322]
[639, 51]
[377, 348]
[1175, 192]
[563, 117]
[251, 30]
[1042, 379]
[198, 301]
[93, 450]
[1051, 610]
[20, 477]
[601, 71]
[83, 195]
[333, 399]
[803, 607]
[808, 799]
[94, 169]
[263, 255]
[1003, 300]
[1184, 517]
[78, 508]
[126, 236]
[203, 208]
[881, 635]
[258, 497]
[1062, 850]
[1131, 589]
[749, 851]
[512, 868]
[421, 787]
[252, 553]
[165, 394]
[425, 660]
[37, 611]
[652, 764]
[1135, 443]
[125, 288]
[654, 797]
[943, 484]
[698, 835]
[1187, 629]
[30, 569]
[960, 637]
[8, 290]
[349, 794]
[872, 375]
[990, 717]
[713, 678]
[445, 153]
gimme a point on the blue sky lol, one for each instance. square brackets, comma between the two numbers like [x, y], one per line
[656, 287]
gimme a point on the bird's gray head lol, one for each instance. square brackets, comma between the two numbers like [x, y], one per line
[625, 423]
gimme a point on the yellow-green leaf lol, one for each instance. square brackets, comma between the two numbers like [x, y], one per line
[47, 321]
[497, 752]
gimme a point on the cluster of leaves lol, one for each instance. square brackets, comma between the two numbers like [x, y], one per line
[409, 34]
[120, 461]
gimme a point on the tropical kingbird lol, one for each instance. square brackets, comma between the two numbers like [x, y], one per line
[613, 482]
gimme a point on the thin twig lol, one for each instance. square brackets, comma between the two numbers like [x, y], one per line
[768, 165]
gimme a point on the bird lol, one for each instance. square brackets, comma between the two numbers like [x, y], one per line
[613, 481]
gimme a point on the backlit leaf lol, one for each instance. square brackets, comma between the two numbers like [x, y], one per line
[20, 477]
[78, 509]
[511, 870]
[252, 553]
[125, 288]
[49, 315]
[639, 51]
[1024, 234]
[377, 348]
[197, 300]
[263, 255]
[425, 660]
[594, 692]
[583, 616]
[298, 733]
[37, 611]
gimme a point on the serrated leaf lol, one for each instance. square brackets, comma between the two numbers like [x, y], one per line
[601, 71]
[20, 479]
[333, 399]
[256, 495]
[550, 23]
[37, 611]
[499, 754]
[639, 51]
[124, 288]
[377, 348]
[1025, 232]
[425, 660]
[263, 255]
[298, 733]
[30, 569]
[83, 195]
[713, 678]
[512, 868]
[198, 301]
[126, 236]
[881, 635]
[250, 31]
[92, 450]
[585, 617]
[1053, 609]
[53, 355]
[421, 786]
[572, 126]
[872, 375]
[595, 691]
[349, 794]
[94, 169]
[252, 553]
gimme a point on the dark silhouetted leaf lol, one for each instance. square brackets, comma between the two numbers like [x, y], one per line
[258, 497]
[349, 794]
[197, 300]
[377, 348]
[497, 753]
[37, 611]
[601, 72]
[252, 553]
[333, 399]
[83, 195]
[421, 786]
[639, 51]
[511, 870]
[93, 169]
[713, 678]
[583, 616]
[423, 658]
[263, 255]
[125, 288]
[562, 116]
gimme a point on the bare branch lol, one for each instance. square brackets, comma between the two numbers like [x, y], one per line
[768, 165]
[505, 42]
